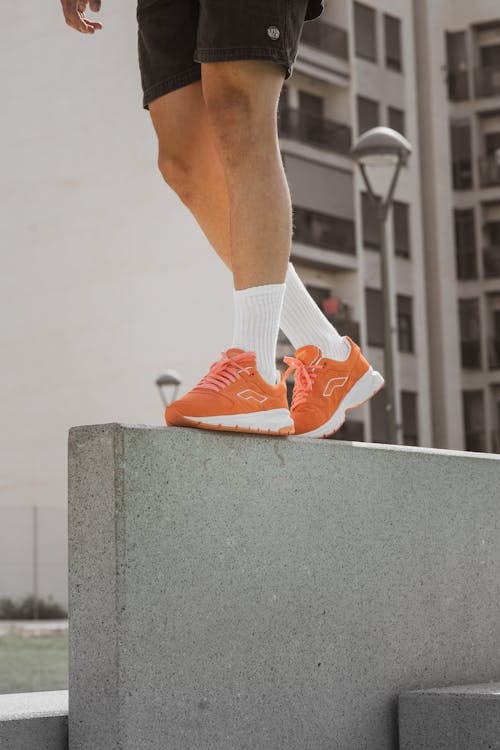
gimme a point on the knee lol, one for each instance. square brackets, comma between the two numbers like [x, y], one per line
[179, 174]
[233, 113]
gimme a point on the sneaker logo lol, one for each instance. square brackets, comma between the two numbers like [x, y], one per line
[248, 394]
[334, 383]
[273, 32]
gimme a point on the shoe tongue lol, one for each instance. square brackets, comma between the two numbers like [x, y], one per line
[234, 351]
[308, 354]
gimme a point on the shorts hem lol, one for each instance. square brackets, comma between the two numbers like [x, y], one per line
[223, 54]
[176, 81]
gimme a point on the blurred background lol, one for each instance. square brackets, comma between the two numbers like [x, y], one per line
[107, 281]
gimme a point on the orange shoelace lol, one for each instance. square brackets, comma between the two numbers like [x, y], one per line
[304, 378]
[226, 370]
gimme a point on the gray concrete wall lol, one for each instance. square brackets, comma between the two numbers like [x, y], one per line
[463, 717]
[34, 721]
[257, 593]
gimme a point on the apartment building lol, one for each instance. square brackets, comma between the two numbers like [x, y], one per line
[458, 52]
[356, 70]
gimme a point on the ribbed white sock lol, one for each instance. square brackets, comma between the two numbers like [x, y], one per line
[303, 322]
[257, 313]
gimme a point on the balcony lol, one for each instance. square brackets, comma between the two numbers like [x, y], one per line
[324, 231]
[466, 263]
[327, 38]
[471, 353]
[462, 174]
[491, 262]
[489, 170]
[487, 81]
[458, 85]
[494, 353]
[314, 130]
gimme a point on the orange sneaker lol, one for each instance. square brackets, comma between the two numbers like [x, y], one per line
[325, 389]
[234, 396]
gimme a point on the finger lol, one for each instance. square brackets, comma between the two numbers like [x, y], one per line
[75, 20]
[95, 24]
[95, 5]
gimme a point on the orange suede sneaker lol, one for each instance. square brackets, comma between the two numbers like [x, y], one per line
[234, 396]
[325, 389]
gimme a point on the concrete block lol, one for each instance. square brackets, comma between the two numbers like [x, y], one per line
[460, 717]
[34, 721]
[237, 592]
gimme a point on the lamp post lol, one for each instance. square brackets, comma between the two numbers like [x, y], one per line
[385, 147]
[168, 379]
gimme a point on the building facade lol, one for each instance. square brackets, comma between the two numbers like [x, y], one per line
[356, 70]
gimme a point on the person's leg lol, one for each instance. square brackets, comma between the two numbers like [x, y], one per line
[190, 163]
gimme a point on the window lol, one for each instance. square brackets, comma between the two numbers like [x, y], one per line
[405, 323]
[374, 317]
[401, 227]
[458, 81]
[393, 57]
[473, 411]
[396, 119]
[371, 226]
[410, 417]
[468, 311]
[311, 104]
[461, 155]
[365, 33]
[368, 114]
[465, 244]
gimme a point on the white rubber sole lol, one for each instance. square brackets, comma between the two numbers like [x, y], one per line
[272, 420]
[366, 387]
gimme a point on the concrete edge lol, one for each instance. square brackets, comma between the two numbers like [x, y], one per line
[80, 432]
[484, 689]
[37, 705]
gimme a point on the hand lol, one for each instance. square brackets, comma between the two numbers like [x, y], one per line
[74, 13]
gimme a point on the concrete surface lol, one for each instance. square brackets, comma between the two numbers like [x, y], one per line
[459, 717]
[235, 591]
[34, 721]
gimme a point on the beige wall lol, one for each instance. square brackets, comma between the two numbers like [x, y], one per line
[106, 278]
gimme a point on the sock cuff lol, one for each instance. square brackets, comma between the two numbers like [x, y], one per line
[260, 291]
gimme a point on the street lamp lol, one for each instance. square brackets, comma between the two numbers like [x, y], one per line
[384, 147]
[168, 379]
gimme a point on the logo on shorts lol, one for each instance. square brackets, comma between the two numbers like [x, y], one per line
[273, 32]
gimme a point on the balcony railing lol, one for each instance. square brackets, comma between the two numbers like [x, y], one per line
[315, 130]
[466, 263]
[494, 353]
[458, 85]
[471, 353]
[322, 230]
[462, 174]
[491, 262]
[487, 81]
[326, 37]
[489, 171]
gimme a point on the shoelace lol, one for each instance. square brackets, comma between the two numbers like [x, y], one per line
[304, 378]
[226, 370]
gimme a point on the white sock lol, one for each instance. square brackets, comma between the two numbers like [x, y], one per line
[303, 322]
[257, 313]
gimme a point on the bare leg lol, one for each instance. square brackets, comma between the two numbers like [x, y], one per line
[241, 101]
[190, 163]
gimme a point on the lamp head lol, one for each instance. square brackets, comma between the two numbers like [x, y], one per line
[169, 377]
[381, 147]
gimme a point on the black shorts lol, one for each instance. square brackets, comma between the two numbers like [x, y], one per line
[176, 36]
